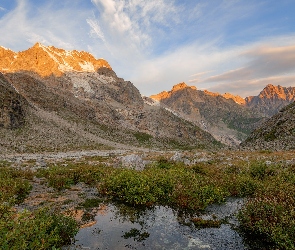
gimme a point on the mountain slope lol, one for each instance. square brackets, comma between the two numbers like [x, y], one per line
[277, 133]
[72, 109]
[12, 105]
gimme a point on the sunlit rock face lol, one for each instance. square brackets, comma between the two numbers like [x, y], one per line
[47, 60]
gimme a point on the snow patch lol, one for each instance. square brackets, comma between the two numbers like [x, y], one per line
[65, 67]
[87, 66]
[4, 48]
[172, 111]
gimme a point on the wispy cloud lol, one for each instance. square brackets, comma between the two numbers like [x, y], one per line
[2, 9]
[27, 24]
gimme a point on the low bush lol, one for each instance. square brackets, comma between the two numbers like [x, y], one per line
[35, 230]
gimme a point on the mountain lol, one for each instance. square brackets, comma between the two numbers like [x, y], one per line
[271, 99]
[223, 116]
[277, 133]
[47, 60]
[71, 106]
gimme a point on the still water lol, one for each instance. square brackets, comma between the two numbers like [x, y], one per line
[121, 227]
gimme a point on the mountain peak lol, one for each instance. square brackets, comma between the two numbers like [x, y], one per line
[181, 85]
[175, 88]
[47, 60]
[277, 92]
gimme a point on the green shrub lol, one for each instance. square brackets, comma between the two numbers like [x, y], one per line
[270, 219]
[38, 230]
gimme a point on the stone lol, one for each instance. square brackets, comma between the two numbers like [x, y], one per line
[133, 162]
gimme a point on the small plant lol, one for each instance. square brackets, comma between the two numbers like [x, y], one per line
[91, 203]
[201, 223]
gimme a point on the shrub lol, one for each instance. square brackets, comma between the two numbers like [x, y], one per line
[38, 230]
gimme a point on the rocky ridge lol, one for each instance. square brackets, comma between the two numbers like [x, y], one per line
[271, 99]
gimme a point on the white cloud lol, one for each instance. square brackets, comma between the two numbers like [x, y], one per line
[2, 9]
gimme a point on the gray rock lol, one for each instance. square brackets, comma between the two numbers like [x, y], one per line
[176, 157]
[133, 162]
[180, 158]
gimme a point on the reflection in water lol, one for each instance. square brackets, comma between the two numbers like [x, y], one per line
[124, 227]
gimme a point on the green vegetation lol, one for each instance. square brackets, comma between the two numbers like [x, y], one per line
[41, 229]
[91, 203]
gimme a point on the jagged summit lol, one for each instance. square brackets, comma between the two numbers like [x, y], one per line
[181, 85]
[47, 60]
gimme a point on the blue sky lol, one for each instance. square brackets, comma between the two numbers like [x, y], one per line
[234, 46]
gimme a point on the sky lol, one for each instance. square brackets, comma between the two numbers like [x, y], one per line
[233, 46]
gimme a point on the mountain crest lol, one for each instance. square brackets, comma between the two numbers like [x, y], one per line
[47, 60]
[175, 88]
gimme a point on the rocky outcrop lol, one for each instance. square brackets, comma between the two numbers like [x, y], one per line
[12, 106]
[277, 133]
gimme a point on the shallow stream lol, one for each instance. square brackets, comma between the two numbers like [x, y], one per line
[121, 227]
